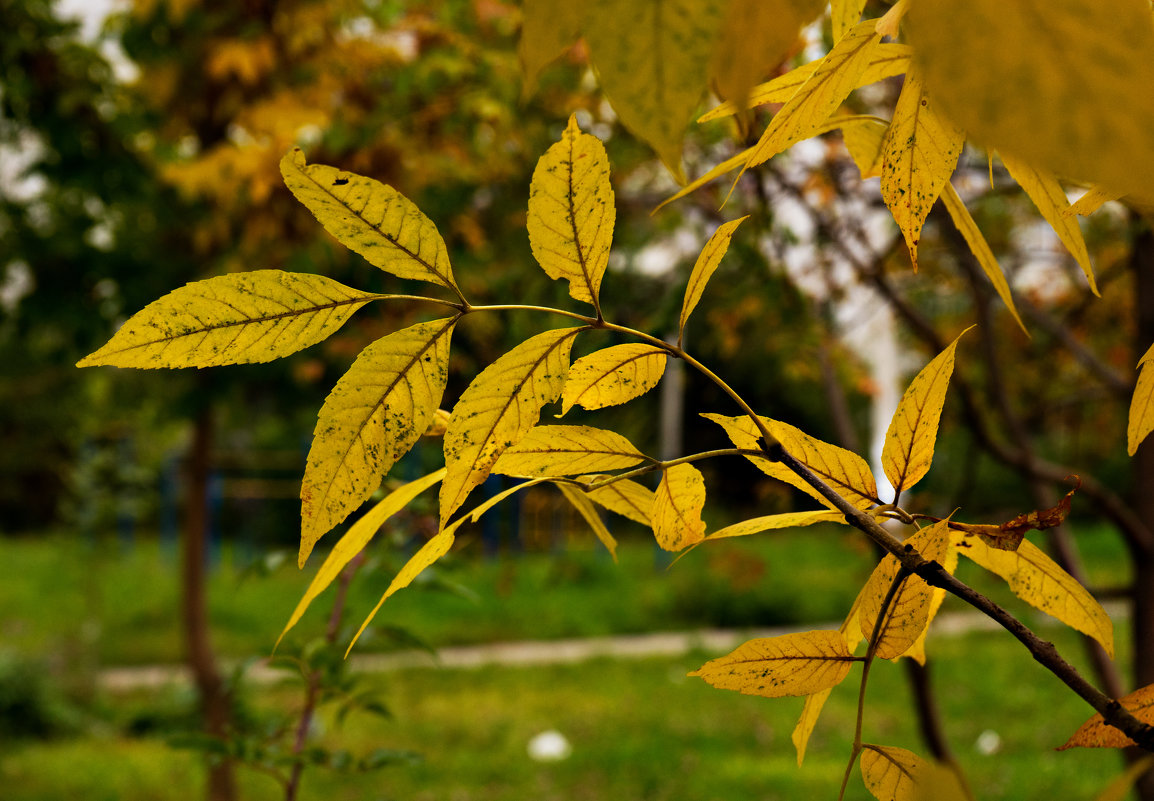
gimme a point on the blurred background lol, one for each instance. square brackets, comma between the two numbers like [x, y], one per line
[148, 520]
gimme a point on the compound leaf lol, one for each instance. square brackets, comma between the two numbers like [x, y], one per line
[793, 664]
[677, 506]
[707, 262]
[566, 451]
[612, 376]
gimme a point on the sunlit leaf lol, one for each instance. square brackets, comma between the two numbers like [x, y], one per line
[793, 664]
[371, 219]
[756, 525]
[567, 451]
[613, 375]
[707, 262]
[239, 318]
[498, 408]
[864, 137]
[677, 505]
[844, 14]
[1141, 420]
[588, 511]
[373, 416]
[805, 724]
[1090, 202]
[547, 30]
[909, 444]
[917, 651]
[625, 497]
[729, 165]
[919, 155]
[571, 212]
[1097, 733]
[891, 774]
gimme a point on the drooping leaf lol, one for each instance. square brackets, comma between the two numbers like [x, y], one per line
[814, 703]
[1064, 86]
[917, 651]
[844, 14]
[909, 444]
[1097, 733]
[1141, 419]
[547, 30]
[729, 165]
[567, 451]
[612, 376]
[239, 318]
[1048, 195]
[370, 218]
[863, 139]
[908, 613]
[625, 497]
[373, 416]
[1041, 582]
[1008, 536]
[707, 262]
[919, 155]
[572, 212]
[1090, 202]
[756, 525]
[652, 58]
[792, 664]
[588, 511]
[498, 409]
[891, 774]
[355, 540]
[676, 512]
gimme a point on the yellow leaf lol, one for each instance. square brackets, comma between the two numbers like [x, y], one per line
[756, 525]
[793, 664]
[939, 781]
[652, 58]
[370, 218]
[908, 614]
[1119, 789]
[1090, 202]
[843, 470]
[1141, 421]
[566, 451]
[498, 409]
[612, 376]
[1048, 195]
[891, 774]
[917, 651]
[547, 30]
[707, 262]
[729, 165]
[864, 137]
[373, 416]
[835, 77]
[355, 540]
[981, 250]
[1064, 86]
[586, 509]
[625, 497]
[909, 445]
[844, 14]
[571, 212]
[1097, 733]
[920, 153]
[809, 714]
[239, 318]
[888, 60]
[677, 506]
[1039, 581]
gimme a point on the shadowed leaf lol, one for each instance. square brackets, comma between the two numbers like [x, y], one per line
[891, 774]
[1141, 418]
[588, 511]
[1097, 733]
[547, 30]
[625, 497]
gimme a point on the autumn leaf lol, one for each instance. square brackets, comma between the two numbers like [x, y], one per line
[1141, 418]
[239, 318]
[864, 138]
[1008, 536]
[844, 15]
[498, 408]
[810, 713]
[1094, 198]
[547, 30]
[373, 416]
[917, 651]
[677, 505]
[625, 497]
[1097, 733]
[792, 664]
[891, 774]
[612, 376]
[909, 444]
[568, 450]
[756, 525]
[707, 262]
[370, 218]
[729, 165]
[588, 511]
[571, 212]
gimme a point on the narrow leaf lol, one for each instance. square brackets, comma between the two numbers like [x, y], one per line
[588, 511]
[707, 262]
[239, 318]
[917, 651]
[805, 724]
[1090, 202]
[891, 774]
[498, 409]
[756, 525]
[370, 218]
[864, 138]
[373, 416]
[1141, 420]
[909, 445]
[729, 165]
[625, 497]
[547, 30]
[612, 376]
[677, 507]
[793, 664]
[1097, 733]
[567, 451]
[1119, 789]
[571, 212]
[844, 14]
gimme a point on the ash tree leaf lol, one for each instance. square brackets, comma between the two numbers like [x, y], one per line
[1090, 202]
[772, 667]
[677, 505]
[1141, 418]
[707, 263]
[810, 713]
[625, 497]
[572, 212]
[372, 219]
[1043, 584]
[844, 15]
[919, 155]
[891, 774]
[355, 540]
[568, 450]
[498, 408]
[652, 59]
[588, 511]
[240, 318]
[612, 376]
[917, 651]
[1097, 733]
[909, 444]
[756, 525]
[373, 417]
[547, 30]
[864, 138]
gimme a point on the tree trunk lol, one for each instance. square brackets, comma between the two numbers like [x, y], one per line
[214, 701]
